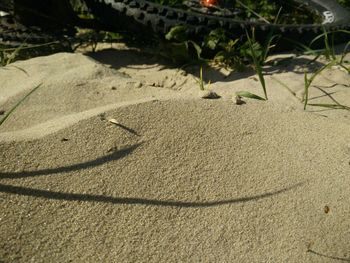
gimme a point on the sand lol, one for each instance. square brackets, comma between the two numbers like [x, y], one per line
[117, 158]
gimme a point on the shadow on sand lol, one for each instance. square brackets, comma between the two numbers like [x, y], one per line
[116, 155]
[134, 59]
[53, 195]
[132, 201]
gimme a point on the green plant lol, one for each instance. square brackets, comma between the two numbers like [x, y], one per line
[258, 55]
[329, 54]
[226, 51]
[179, 48]
[260, 9]
[307, 84]
[257, 60]
[8, 113]
[329, 50]
[201, 81]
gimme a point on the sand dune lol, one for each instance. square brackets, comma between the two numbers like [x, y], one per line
[179, 178]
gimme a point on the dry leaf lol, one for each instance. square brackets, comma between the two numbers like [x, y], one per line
[114, 121]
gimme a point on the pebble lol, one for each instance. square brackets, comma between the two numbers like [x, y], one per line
[238, 100]
[138, 85]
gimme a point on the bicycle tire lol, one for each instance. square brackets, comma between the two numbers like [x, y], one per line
[13, 33]
[161, 18]
[135, 14]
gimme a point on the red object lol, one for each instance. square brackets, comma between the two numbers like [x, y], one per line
[208, 3]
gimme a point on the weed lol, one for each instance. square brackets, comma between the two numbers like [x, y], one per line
[329, 54]
[308, 81]
[257, 63]
[201, 81]
[226, 50]
[257, 54]
[307, 84]
[328, 50]
[179, 48]
[250, 10]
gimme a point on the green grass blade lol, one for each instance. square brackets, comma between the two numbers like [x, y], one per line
[304, 48]
[17, 104]
[317, 38]
[252, 11]
[262, 79]
[201, 81]
[257, 64]
[344, 53]
[249, 95]
[270, 37]
[308, 81]
[306, 89]
[15, 53]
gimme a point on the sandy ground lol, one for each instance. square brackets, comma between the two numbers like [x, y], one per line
[175, 178]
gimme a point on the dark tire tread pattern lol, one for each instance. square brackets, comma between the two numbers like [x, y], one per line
[135, 14]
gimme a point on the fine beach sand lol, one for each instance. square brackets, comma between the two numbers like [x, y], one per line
[117, 158]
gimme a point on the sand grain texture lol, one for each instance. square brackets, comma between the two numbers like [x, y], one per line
[180, 179]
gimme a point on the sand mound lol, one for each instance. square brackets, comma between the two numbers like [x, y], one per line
[180, 181]
[74, 87]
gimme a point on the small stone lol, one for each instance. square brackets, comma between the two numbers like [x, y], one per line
[138, 85]
[238, 100]
[225, 72]
[208, 94]
[326, 209]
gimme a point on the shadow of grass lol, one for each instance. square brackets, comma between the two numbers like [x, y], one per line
[75, 167]
[327, 256]
[52, 195]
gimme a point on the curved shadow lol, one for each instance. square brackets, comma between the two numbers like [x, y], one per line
[10, 189]
[327, 256]
[80, 166]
